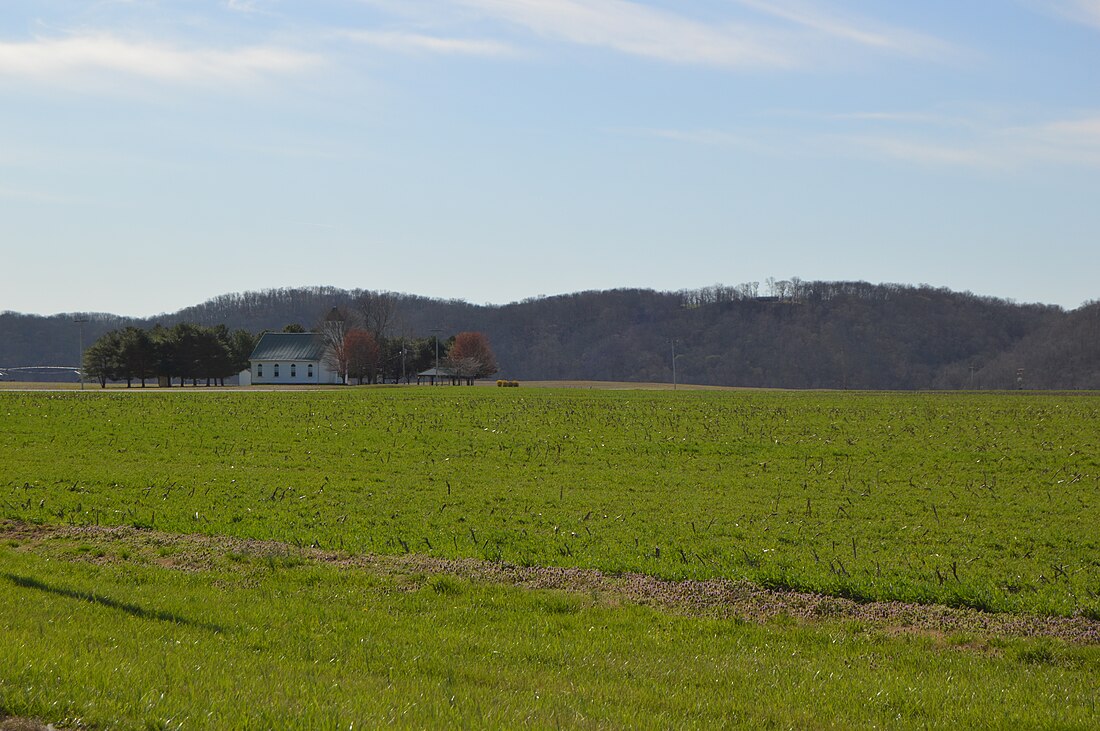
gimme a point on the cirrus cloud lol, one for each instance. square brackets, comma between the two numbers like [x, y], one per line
[921, 139]
[421, 43]
[79, 57]
[858, 31]
[1080, 11]
[639, 30]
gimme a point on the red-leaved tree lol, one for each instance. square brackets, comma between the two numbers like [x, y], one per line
[362, 353]
[471, 357]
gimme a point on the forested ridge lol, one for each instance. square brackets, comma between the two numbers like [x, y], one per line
[843, 335]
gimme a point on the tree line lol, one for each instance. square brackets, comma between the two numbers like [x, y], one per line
[363, 359]
[776, 333]
[184, 351]
[361, 344]
[357, 340]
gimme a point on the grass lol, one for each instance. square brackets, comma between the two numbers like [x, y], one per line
[252, 642]
[973, 500]
[987, 501]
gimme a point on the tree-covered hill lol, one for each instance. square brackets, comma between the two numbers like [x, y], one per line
[850, 335]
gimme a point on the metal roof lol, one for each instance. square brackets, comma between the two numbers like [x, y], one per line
[289, 347]
[444, 372]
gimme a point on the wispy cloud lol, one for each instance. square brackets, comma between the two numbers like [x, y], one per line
[901, 117]
[1069, 142]
[700, 136]
[927, 140]
[751, 141]
[789, 34]
[242, 6]
[1072, 141]
[421, 43]
[1080, 11]
[920, 151]
[314, 224]
[737, 34]
[859, 31]
[33, 196]
[75, 57]
[640, 30]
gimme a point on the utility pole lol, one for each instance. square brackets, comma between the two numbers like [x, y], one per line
[674, 364]
[437, 330]
[80, 320]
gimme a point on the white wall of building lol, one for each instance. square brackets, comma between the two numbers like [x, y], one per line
[291, 372]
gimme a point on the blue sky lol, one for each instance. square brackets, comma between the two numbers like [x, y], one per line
[155, 153]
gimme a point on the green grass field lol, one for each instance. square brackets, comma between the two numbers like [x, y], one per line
[986, 501]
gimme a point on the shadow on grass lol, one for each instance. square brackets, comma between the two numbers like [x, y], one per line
[131, 609]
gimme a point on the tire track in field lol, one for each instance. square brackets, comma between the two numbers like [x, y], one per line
[721, 598]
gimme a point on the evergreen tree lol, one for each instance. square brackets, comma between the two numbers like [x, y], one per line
[101, 360]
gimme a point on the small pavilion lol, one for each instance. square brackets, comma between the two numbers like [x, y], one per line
[437, 373]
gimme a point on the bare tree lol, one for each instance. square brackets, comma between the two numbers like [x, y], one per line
[376, 311]
[333, 330]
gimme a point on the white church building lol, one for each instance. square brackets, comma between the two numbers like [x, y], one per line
[289, 358]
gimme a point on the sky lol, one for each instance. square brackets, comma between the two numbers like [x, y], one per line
[157, 153]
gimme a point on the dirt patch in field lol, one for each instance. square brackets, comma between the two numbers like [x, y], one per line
[717, 598]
